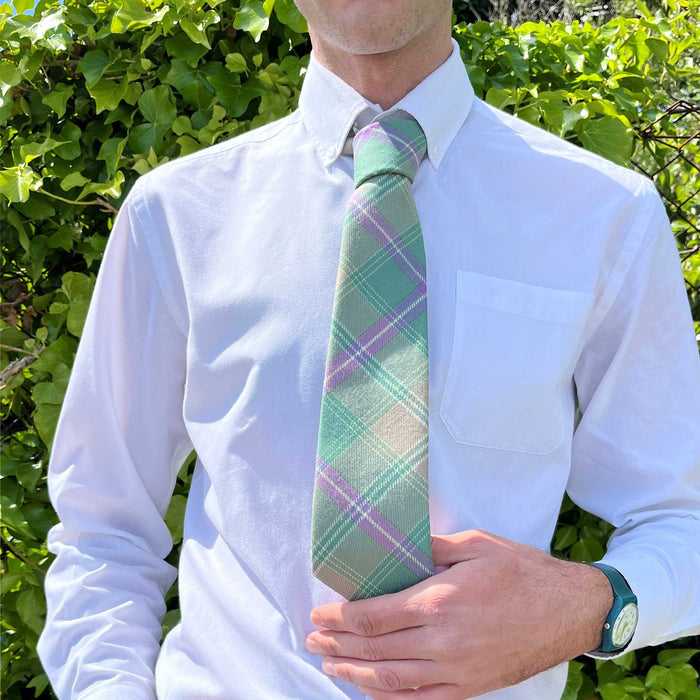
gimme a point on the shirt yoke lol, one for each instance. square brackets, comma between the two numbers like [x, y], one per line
[539, 141]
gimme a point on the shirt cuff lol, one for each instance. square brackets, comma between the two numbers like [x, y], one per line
[648, 580]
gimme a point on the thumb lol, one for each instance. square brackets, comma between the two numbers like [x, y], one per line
[454, 548]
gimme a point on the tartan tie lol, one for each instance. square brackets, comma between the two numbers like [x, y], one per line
[370, 531]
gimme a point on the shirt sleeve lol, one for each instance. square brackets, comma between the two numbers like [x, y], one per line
[119, 442]
[636, 449]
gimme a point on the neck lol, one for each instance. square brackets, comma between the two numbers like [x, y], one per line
[385, 78]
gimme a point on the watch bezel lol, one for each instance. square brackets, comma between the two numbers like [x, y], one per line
[625, 612]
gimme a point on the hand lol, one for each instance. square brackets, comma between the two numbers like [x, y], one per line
[499, 613]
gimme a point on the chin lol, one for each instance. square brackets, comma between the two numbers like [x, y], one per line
[372, 40]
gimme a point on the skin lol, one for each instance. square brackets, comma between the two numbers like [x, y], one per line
[497, 612]
[382, 48]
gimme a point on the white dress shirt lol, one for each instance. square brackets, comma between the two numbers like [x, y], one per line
[551, 273]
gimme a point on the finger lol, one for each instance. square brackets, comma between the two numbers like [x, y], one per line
[370, 617]
[412, 643]
[383, 675]
[436, 691]
[451, 549]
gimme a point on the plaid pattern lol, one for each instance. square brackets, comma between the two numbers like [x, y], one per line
[370, 524]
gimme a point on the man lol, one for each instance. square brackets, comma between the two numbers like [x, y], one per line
[209, 329]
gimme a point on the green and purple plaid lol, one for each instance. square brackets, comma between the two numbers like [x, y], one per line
[370, 522]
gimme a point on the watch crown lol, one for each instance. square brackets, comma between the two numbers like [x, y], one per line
[607, 625]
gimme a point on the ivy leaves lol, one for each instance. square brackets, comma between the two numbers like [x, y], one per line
[93, 94]
[587, 84]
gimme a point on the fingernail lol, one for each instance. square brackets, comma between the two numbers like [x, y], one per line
[328, 667]
[316, 618]
[313, 646]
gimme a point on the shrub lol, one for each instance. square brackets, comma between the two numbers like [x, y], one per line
[92, 94]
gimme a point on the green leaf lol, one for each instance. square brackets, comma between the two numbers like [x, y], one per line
[575, 57]
[669, 657]
[170, 620]
[181, 46]
[11, 335]
[614, 691]
[110, 152]
[565, 536]
[517, 61]
[477, 77]
[60, 352]
[673, 679]
[15, 183]
[158, 108]
[108, 94]
[175, 517]
[111, 188]
[574, 681]
[48, 392]
[196, 32]
[31, 608]
[188, 145]
[70, 142]
[58, 98]
[11, 516]
[133, 14]
[76, 285]
[608, 137]
[608, 672]
[76, 317]
[658, 47]
[45, 419]
[62, 238]
[499, 98]
[46, 31]
[23, 5]
[288, 14]
[37, 253]
[93, 65]
[10, 75]
[586, 549]
[230, 93]
[252, 18]
[190, 83]
[627, 661]
[76, 179]
[236, 63]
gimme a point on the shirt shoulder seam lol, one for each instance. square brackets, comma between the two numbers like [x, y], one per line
[631, 250]
[134, 203]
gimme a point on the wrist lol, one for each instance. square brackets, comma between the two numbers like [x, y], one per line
[591, 599]
[601, 599]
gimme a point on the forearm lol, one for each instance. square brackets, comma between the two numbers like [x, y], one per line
[105, 603]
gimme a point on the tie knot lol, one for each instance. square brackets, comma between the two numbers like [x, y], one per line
[390, 146]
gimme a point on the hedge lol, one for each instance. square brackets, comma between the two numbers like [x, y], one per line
[93, 94]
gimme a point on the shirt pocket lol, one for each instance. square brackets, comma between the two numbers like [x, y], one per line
[514, 344]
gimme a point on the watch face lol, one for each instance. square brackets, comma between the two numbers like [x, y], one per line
[624, 626]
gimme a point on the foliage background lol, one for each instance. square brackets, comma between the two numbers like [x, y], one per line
[95, 92]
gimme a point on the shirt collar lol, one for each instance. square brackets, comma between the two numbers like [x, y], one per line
[440, 103]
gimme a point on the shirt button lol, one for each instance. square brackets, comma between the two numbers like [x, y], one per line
[437, 151]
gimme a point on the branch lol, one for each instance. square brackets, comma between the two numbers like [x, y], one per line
[102, 203]
[7, 376]
[13, 349]
[6, 305]
[22, 557]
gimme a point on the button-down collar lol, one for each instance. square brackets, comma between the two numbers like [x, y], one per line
[440, 103]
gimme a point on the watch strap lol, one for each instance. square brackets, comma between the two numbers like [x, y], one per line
[623, 596]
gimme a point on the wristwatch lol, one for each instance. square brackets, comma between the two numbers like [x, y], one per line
[621, 621]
